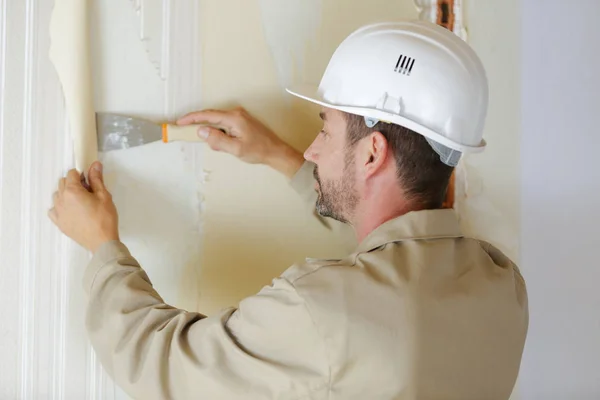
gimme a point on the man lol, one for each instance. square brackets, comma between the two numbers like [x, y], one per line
[417, 311]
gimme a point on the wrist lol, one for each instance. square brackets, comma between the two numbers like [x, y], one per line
[102, 241]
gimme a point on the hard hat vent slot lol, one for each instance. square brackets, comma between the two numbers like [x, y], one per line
[404, 65]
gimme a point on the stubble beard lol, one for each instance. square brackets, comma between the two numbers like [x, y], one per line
[337, 199]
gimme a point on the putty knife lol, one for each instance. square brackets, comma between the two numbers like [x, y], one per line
[116, 132]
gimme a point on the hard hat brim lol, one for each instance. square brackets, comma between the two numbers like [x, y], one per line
[311, 93]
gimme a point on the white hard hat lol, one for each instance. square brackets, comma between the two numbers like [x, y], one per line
[415, 74]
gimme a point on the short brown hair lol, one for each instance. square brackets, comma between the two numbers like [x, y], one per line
[422, 175]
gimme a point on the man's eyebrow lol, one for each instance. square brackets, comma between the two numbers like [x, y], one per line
[323, 116]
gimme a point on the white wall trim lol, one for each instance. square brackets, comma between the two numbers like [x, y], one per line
[176, 32]
[428, 11]
[27, 241]
[154, 31]
[3, 10]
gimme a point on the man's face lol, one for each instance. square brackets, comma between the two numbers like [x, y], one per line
[335, 168]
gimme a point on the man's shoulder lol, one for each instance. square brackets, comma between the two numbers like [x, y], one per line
[310, 266]
[503, 261]
[496, 255]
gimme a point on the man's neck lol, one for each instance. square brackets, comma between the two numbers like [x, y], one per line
[379, 212]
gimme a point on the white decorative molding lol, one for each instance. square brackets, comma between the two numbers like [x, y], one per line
[154, 31]
[27, 240]
[43, 347]
[460, 27]
[7, 367]
[32, 157]
[429, 11]
[167, 25]
[183, 86]
[183, 51]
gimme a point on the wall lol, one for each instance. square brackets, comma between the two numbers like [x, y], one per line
[560, 196]
[39, 316]
[199, 222]
[488, 191]
[488, 183]
[43, 347]
[157, 188]
[255, 225]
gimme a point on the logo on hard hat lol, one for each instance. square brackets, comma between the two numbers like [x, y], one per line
[404, 65]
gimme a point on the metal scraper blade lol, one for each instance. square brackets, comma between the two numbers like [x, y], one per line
[118, 132]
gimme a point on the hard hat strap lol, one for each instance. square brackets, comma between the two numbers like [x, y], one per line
[371, 122]
[447, 155]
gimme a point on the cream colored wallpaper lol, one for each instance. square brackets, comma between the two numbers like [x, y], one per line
[254, 225]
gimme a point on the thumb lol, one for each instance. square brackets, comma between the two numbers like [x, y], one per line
[96, 178]
[219, 140]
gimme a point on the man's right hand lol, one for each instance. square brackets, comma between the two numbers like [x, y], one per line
[247, 138]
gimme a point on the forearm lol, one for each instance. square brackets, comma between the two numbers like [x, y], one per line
[285, 159]
[131, 328]
[154, 351]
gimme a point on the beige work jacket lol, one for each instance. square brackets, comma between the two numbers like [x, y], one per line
[417, 311]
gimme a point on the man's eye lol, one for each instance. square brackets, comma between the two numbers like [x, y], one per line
[323, 132]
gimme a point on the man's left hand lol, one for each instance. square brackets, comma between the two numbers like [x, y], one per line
[89, 217]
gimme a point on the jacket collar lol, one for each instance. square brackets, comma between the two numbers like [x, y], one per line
[415, 225]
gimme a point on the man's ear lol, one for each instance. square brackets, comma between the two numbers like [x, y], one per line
[374, 152]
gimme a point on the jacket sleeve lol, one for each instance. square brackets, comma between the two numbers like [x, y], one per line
[267, 348]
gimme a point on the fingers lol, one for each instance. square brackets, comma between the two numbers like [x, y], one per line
[84, 183]
[96, 178]
[219, 141]
[73, 177]
[213, 117]
[53, 215]
[61, 185]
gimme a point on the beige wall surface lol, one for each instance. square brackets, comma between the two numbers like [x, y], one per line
[254, 224]
[488, 193]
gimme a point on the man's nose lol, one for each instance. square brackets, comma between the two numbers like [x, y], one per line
[311, 154]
